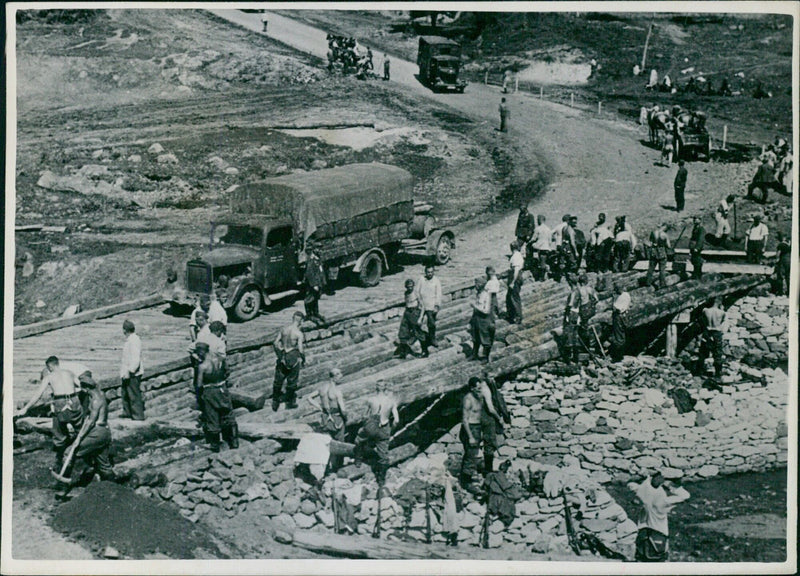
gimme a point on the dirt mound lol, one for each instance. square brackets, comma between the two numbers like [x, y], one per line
[107, 514]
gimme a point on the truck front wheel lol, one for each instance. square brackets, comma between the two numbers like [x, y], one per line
[248, 305]
[443, 251]
[371, 271]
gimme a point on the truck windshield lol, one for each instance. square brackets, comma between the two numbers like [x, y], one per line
[239, 234]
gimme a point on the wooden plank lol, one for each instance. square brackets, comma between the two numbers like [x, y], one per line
[355, 546]
[720, 267]
[723, 253]
[80, 318]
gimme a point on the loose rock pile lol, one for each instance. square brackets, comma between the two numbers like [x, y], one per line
[757, 329]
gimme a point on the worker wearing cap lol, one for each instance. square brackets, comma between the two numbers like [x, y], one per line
[516, 263]
[65, 405]
[215, 400]
[756, 240]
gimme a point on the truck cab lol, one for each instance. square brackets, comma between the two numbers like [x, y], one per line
[249, 259]
[439, 61]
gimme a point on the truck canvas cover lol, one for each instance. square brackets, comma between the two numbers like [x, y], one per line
[332, 202]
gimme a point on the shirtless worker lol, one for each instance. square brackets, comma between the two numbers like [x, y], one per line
[333, 420]
[66, 405]
[479, 421]
[289, 346]
[712, 319]
[93, 440]
[215, 399]
[372, 441]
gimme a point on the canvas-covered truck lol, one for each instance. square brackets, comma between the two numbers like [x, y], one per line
[439, 61]
[359, 217]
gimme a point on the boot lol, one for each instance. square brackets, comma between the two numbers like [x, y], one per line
[402, 351]
[475, 351]
[488, 464]
[231, 435]
[291, 402]
[213, 441]
[487, 350]
[425, 352]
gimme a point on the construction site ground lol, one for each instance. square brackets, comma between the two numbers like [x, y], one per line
[227, 104]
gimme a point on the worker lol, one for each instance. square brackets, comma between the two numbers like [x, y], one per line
[587, 308]
[658, 497]
[203, 307]
[216, 401]
[429, 295]
[756, 240]
[264, 21]
[765, 177]
[541, 248]
[525, 225]
[314, 281]
[721, 217]
[216, 312]
[696, 243]
[783, 251]
[659, 246]
[712, 320]
[290, 357]
[624, 245]
[680, 186]
[479, 421]
[505, 114]
[579, 242]
[493, 289]
[571, 323]
[566, 248]
[65, 405]
[601, 244]
[619, 322]
[411, 324]
[91, 446]
[513, 299]
[131, 373]
[333, 417]
[481, 324]
[372, 441]
[668, 145]
[386, 67]
[506, 80]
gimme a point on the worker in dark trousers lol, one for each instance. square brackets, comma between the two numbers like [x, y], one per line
[411, 324]
[572, 316]
[619, 322]
[505, 114]
[680, 186]
[712, 319]
[289, 351]
[513, 299]
[216, 401]
[659, 245]
[315, 282]
[783, 252]
[696, 243]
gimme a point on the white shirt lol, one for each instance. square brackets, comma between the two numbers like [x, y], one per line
[492, 285]
[759, 232]
[216, 313]
[541, 237]
[623, 302]
[429, 292]
[724, 208]
[599, 234]
[656, 505]
[626, 234]
[131, 357]
[516, 261]
[215, 343]
[483, 301]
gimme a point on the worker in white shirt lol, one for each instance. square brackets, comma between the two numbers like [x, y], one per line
[216, 312]
[624, 245]
[203, 306]
[721, 217]
[756, 240]
[542, 248]
[619, 322]
[481, 324]
[513, 299]
[658, 498]
[493, 289]
[429, 294]
[601, 243]
[130, 373]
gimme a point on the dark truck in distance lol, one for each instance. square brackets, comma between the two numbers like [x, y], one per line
[359, 217]
[439, 61]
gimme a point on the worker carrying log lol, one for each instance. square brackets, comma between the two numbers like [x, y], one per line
[64, 382]
[712, 320]
[92, 443]
[479, 423]
[658, 497]
[372, 441]
[289, 350]
[215, 400]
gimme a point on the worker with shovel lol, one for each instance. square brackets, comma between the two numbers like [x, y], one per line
[93, 441]
[65, 406]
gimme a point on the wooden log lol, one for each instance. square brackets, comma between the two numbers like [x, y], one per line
[355, 546]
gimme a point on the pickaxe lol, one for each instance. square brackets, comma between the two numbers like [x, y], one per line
[60, 476]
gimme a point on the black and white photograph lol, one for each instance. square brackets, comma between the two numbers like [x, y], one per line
[309, 287]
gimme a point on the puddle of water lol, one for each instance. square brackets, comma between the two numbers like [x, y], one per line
[555, 73]
[357, 138]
